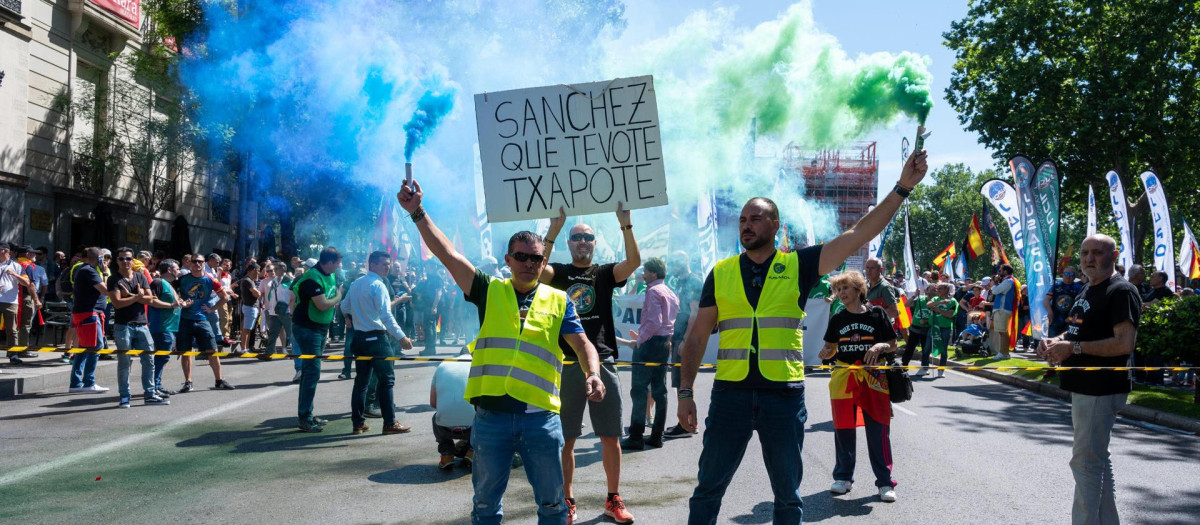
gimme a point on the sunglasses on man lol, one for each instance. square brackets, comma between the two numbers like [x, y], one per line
[125, 259]
[582, 237]
[535, 258]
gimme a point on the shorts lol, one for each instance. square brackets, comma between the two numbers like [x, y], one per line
[249, 317]
[198, 332]
[606, 414]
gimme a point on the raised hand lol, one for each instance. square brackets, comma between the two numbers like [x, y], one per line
[622, 214]
[410, 197]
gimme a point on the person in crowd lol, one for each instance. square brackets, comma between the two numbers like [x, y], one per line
[87, 317]
[515, 374]
[14, 282]
[1003, 299]
[1022, 312]
[1059, 299]
[918, 331]
[429, 296]
[163, 318]
[371, 322]
[860, 335]
[1137, 277]
[249, 297]
[961, 292]
[653, 339]
[29, 316]
[204, 294]
[130, 294]
[317, 295]
[1101, 332]
[757, 300]
[943, 308]
[1158, 289]
[226, 312]
[347, 328]
[277, 302]
[401, 288]
[453, 415]
[590, 287]
[686, 285]
[881, 293]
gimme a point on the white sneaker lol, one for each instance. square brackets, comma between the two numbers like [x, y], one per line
[941, 373]
[841, 486]
[94, 389]
[76, 390]
[921, 373]
[887, 494]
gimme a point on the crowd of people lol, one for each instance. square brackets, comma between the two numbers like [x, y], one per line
[509, 399]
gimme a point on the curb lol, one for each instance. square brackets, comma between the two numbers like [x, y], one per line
[15, 382]
[1136, 412]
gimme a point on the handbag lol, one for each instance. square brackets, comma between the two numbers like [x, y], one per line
[900, 386]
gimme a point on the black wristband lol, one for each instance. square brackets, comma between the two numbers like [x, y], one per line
[418, 215]
[685, 393]
[903, 193]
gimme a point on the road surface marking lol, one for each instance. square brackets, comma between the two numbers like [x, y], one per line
[902, 409]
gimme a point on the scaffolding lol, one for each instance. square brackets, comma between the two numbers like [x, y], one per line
[847, 178]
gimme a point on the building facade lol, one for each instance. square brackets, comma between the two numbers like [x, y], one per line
[66, 84]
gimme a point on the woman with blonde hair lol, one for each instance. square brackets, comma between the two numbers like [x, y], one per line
[860, 335]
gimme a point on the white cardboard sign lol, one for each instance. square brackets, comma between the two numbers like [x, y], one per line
[582, 147]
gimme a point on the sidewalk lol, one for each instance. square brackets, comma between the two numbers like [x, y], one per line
[1139, 413]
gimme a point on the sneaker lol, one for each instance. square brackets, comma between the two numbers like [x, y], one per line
[517, 462]
[163, 393]
[187, 387]
[222, 385]
[296, 378]
[633, 444]
[156, 400]
[615, 509]
[921, 373]
[372, 413]
[941, 373]
[124, 403]
[14, 360]
[468, 458]
[29, 354]
[94, 389]
[887, 494]
[677, 432]
[66, 359]
[344, 375]
[360, 429]
[75, 390]
[396, 428]
[572, 513]
[841, 486]
[653, 442]
[311, 427]
[446, 462]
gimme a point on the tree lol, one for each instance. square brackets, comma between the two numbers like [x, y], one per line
[941, 208]
[1093, 84]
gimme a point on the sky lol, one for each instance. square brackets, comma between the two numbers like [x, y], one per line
[861, 27]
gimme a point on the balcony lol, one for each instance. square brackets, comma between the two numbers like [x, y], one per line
[11, 5]
[164, 194]
[88, 174]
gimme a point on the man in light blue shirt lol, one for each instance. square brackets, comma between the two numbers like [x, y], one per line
[369, 304]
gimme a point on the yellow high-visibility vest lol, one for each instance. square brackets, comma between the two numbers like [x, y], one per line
[525, 363]
[778, 320]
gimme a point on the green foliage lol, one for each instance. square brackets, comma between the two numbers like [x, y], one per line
[1171, 327]
[941, 209]
[1095, 85]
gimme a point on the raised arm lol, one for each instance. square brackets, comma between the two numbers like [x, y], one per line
[556, 226]
[461, 270]
[633, 258]
[835, 252]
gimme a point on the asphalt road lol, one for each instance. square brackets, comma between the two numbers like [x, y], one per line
[966, 450]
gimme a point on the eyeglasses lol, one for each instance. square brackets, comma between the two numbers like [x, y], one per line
[197, 261]
[582, 237]
[1069, 274]
[535, 258]
[124, 259]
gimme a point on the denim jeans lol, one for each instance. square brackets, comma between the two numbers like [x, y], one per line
[652, 378]
[374, 344]
[537, 436]
[214, 322]
[134, 337]
[275, 324]
[879, 449]
[1092, 417]
[163, 341]
[83, 367]
[347, 351]
[429, 326]
[734, 414]
[308, 342]
[928, 351]
[454, 441]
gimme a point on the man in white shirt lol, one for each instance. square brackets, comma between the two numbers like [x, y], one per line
[371, 313]
[454, 415]
[12, 279]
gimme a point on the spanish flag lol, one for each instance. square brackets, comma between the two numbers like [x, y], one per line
[905, 315]
[1012, 319]
[947, 254]
[974, 238]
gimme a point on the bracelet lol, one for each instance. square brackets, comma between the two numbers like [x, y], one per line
[593, 374]
[417, 215]
[901, 191]
[627, 227]
[547, 241]
[685, 393]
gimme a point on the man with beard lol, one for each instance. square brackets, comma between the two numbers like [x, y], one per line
[590, 287]
[756, 300]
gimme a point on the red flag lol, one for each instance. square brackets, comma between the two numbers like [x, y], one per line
[905, 315]
[947, 254]
[974, 238]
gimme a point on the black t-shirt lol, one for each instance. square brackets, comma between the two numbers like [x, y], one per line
[244, 292]
[1092, 318]
[87, 297]
[591, 289]
[854, 334]
[1157, 293]
[135, 313]
[752, 279]
[426, 293]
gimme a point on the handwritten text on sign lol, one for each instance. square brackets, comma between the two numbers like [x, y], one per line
[583, 147]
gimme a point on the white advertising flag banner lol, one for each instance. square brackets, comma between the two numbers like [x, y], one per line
[1091, 227]
[1003, 197]
[1164, 243]
[1116, 195]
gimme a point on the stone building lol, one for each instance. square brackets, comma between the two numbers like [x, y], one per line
[66, 81]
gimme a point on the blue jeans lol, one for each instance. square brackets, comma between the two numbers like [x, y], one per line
[347, 351]
[538, 438]
[928, 350]
[134, 337]
[879, 450]
[778, 414]
[1092, 419]
[214, 321]
[308, 342]
[276, 323]
[374, 344]
[83, 367]
[652, 378]
[162, 341]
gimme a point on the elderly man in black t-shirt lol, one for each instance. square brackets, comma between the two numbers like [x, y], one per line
[590, 287]
[1101, 332]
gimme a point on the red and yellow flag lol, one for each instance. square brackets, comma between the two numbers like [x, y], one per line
[974, 238]
[947, 254]
[1012, 319]
[905, 316]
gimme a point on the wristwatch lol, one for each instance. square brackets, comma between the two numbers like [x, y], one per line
[1077, 348]
[593, 374]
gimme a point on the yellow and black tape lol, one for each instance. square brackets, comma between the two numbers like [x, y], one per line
[340, 357]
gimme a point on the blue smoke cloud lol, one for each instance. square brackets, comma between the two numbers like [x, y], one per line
[431, 109]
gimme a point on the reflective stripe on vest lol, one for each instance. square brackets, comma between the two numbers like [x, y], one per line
[521, 361]
[777, 320]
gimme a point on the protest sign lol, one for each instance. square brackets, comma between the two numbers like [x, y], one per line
[583, 147]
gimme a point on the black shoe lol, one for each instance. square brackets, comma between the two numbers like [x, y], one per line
[14, 360]
[372, 413]
[222, 385]
[163, 393]
[29, 354]
[654, 442]
[633, 444]
[187, 387]
[676, 432]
